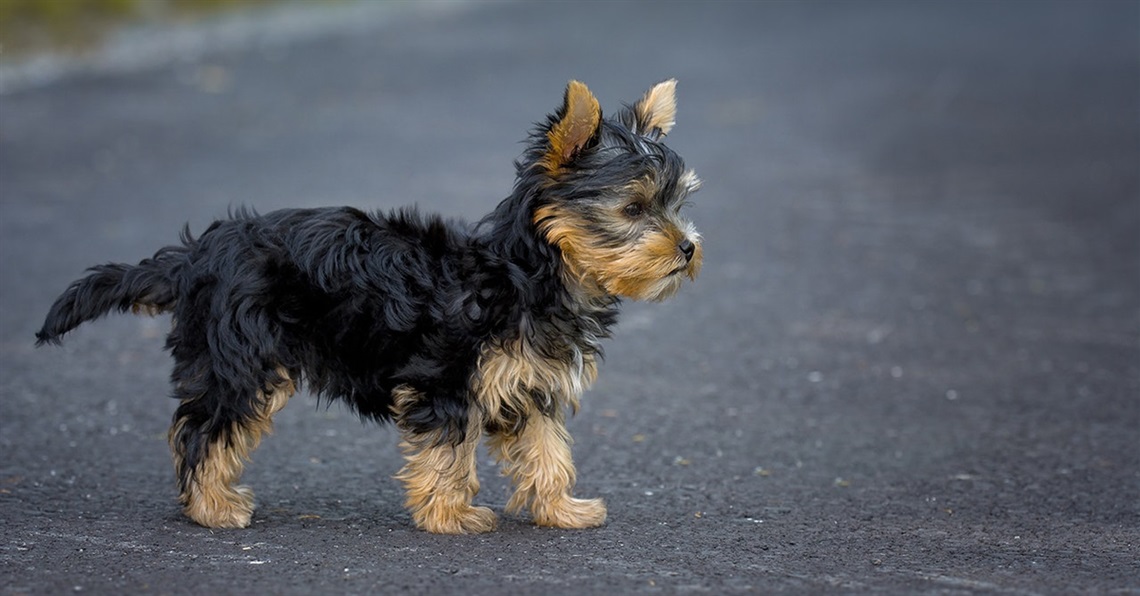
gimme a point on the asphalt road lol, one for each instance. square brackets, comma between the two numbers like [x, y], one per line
[911, 363]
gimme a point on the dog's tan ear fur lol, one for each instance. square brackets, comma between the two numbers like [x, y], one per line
[579, 120]
[657, 108]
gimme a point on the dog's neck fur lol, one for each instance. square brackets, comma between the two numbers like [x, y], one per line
[550, 306]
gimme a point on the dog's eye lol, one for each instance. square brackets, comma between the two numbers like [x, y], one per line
[633, 210]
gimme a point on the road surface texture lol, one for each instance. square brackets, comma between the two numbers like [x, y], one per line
[911, 364]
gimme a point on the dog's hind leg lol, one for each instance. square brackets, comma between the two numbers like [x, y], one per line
[213, 434]
[439, 475]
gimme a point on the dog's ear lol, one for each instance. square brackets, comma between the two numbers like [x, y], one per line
[575, 127]
[657, 109]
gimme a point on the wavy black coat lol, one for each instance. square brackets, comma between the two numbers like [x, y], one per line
[355, 304]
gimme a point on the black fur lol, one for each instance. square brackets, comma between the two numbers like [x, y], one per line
[355, 304]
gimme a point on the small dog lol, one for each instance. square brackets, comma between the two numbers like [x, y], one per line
[449, 330]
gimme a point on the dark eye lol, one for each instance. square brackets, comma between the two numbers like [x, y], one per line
[633, 210]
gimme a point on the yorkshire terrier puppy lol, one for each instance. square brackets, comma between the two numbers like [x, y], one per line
[449, 330]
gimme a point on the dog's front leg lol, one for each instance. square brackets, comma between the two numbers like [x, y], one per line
[537, 458]
[440, 478]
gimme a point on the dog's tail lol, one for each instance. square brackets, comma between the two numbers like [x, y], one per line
[146, 288]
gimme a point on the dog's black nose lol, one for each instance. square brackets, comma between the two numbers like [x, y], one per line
[687, 249]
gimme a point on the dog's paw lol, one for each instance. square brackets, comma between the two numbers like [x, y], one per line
[569, 512]
[456, 520]
[224, 508]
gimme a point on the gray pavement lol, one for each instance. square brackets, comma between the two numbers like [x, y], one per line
[911, 364]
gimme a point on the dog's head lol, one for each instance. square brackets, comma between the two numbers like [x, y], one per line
[609, 195]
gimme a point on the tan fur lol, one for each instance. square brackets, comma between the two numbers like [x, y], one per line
[211, 499]
[537, 456]
[539, 463]
[581, 117]
[658, 108]
[641, 189]
[509, 374]
[440, 478]
[643, 270]
[690, 182]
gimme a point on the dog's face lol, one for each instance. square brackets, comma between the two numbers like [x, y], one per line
[613, 197]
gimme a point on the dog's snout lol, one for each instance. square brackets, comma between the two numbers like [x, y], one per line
[686, 247]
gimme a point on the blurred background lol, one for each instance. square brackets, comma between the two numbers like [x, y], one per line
[74, 25]
[911, 363]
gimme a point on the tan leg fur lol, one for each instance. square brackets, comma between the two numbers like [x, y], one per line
[211, 498]
[440, 478]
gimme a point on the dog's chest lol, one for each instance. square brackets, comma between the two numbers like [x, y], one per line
[513, 380]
